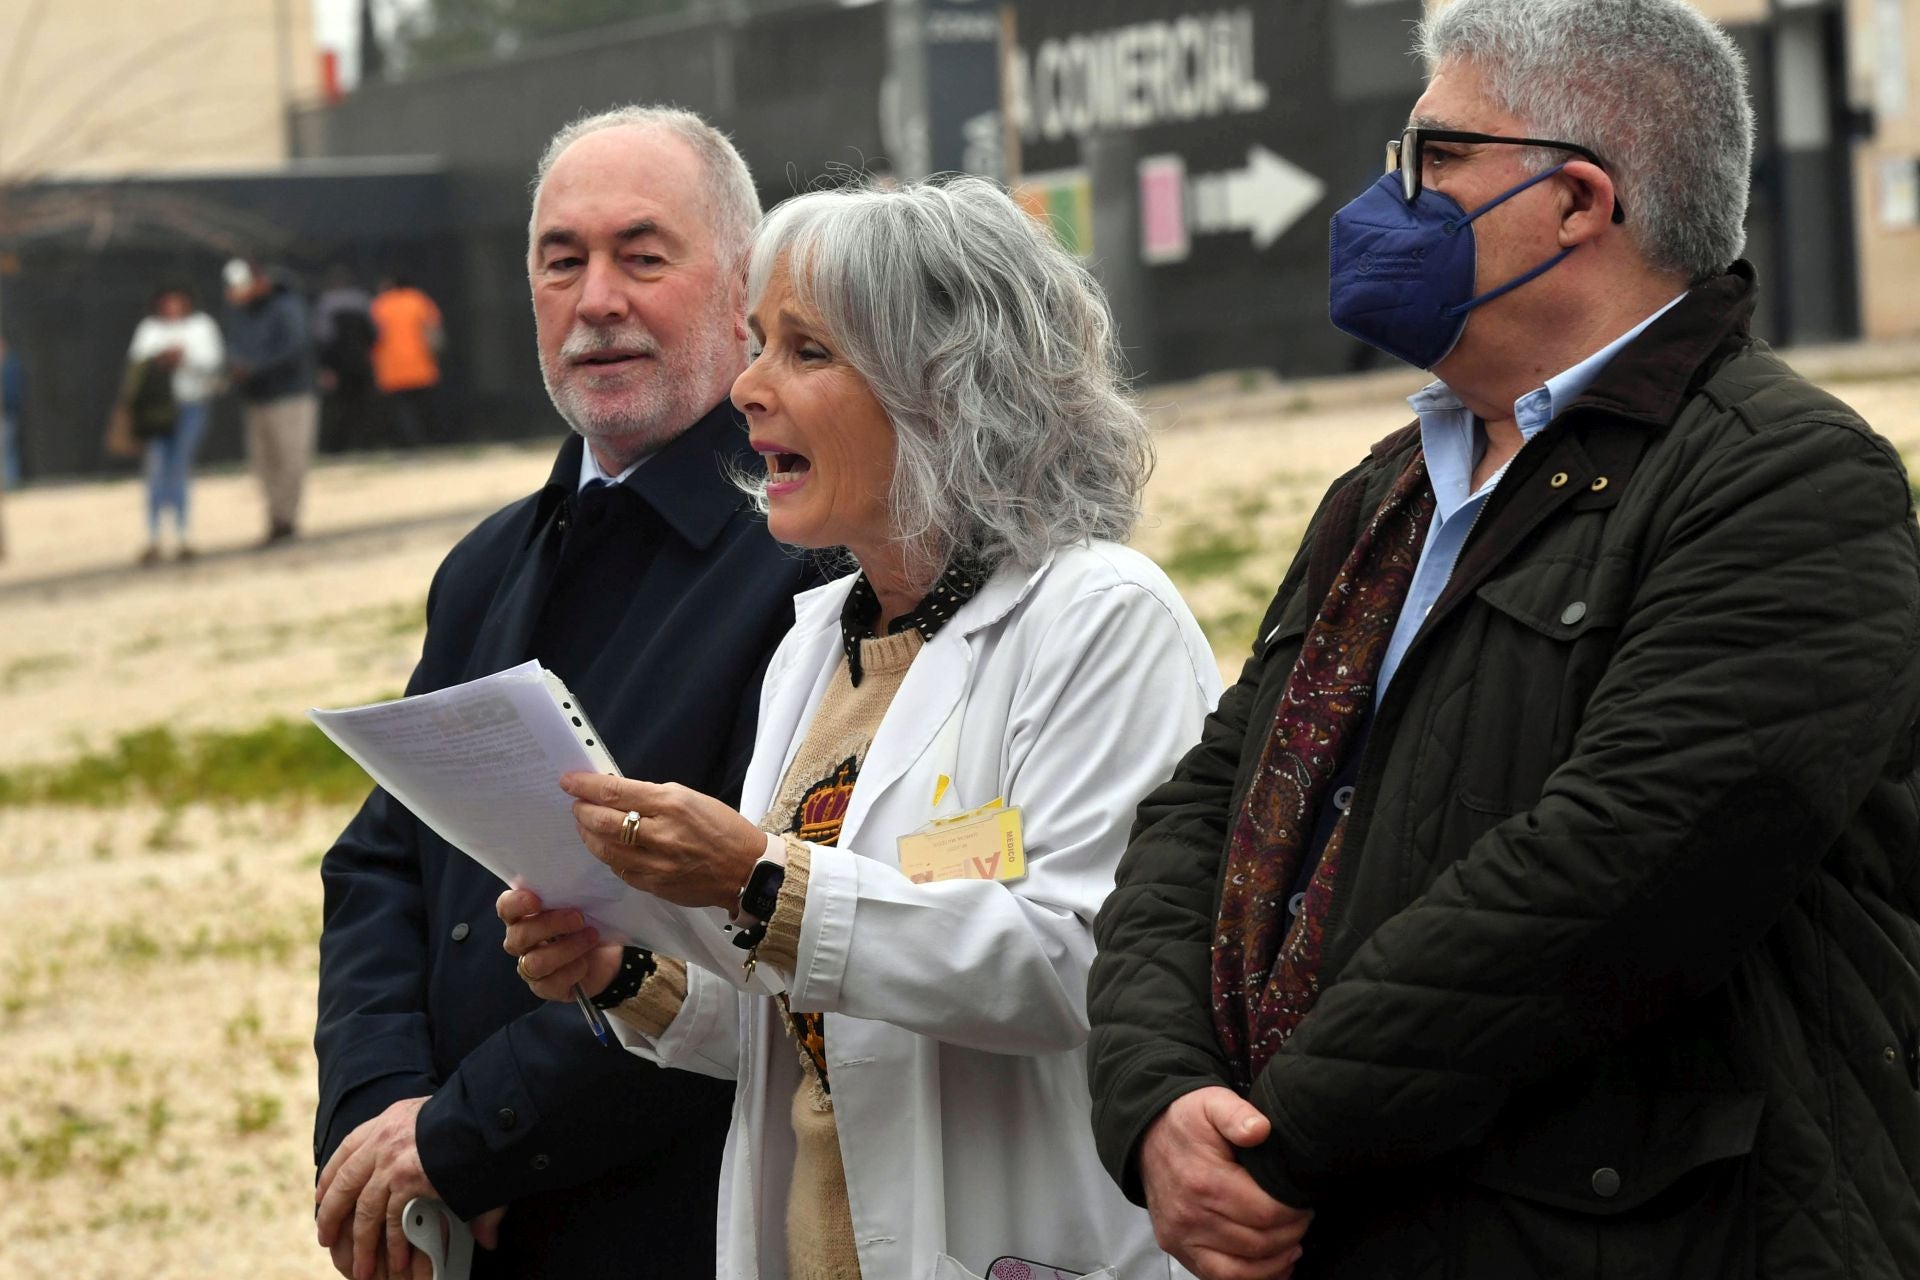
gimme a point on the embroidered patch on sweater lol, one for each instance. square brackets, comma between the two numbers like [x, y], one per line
[818, 817]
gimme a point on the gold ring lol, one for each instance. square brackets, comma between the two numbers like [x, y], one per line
[630, 828]
[520, 967]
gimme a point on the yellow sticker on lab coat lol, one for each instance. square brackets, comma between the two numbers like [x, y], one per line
[982, 845]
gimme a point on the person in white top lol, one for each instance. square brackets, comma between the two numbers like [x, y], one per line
[179, 337]
[937, 392]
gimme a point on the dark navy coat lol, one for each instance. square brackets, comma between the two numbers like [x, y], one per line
[658, 602]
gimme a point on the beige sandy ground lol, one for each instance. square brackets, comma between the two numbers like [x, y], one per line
[156, 977]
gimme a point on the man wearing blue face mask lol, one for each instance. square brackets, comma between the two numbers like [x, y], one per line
[1545, 897]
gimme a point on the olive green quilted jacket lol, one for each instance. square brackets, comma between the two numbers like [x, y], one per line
[1623, 967]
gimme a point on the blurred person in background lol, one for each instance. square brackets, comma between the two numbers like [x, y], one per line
[343, 341]
[184, 343]
[409, 336]
[13, 407]
[938, 392]
[641, 575]
[1543, 898]
[271, 360]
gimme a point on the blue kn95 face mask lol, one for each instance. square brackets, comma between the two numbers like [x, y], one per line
[1401, 276]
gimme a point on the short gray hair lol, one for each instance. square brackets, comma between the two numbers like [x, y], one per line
[992, 351]
[733, 204]
[1651, 86]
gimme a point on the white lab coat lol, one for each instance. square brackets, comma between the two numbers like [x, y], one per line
[956, 1011]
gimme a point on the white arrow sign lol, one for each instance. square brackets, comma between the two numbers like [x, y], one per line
[1265, 198]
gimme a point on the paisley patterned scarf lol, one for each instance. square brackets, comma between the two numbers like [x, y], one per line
[1266, 973]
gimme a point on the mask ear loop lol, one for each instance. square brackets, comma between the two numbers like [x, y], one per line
[1455, 225]
[1459, 309]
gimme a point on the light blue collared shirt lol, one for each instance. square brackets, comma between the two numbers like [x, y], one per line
[591, 470]
[1452, 442]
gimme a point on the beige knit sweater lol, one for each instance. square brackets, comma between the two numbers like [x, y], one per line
[810, 805]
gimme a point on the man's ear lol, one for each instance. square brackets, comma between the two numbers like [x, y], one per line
[1588, 202]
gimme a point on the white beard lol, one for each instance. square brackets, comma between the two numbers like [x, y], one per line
[664, 399]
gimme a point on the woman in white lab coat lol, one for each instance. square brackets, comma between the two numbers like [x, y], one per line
[937, 392]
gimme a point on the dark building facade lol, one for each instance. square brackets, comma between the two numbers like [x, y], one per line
[1192, 149]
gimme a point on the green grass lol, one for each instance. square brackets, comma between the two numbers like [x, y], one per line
[23, 670]
[281, 760]
[255, 1112]
[1225, 557]
[1208, 551]
[62, 1138]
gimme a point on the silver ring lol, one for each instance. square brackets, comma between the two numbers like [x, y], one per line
[630, 828]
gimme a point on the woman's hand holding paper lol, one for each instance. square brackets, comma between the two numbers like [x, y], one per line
[685, 848]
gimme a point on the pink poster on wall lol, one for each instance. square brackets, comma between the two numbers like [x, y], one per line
[1163, 209]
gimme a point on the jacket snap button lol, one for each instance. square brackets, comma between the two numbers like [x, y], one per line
[1891, 1055]
[1343, 799]
[1606, 1183]
[460, 932]
[540, 1161]
[1573, 612]
[1599, 485]
[505, 1118]
[1559, 480]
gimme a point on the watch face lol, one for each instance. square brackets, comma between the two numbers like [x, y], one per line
[763, 890]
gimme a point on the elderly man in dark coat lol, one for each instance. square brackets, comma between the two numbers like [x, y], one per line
[1542, 900]
[640, 575]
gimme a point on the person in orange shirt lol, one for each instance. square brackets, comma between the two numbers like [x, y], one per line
[406, 356]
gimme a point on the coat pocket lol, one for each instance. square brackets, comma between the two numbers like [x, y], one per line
[1613, 1164]
[1660, 1190]
[1545, 633]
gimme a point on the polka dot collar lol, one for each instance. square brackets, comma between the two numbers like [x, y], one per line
[954, 588]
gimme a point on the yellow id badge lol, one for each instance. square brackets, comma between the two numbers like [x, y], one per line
[982, 844]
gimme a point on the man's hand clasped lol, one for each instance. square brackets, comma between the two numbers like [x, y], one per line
[364, 1189]
[1207, 1211]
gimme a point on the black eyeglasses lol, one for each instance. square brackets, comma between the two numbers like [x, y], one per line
[1403, 155]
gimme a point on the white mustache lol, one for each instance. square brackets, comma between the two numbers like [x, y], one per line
[585, 340]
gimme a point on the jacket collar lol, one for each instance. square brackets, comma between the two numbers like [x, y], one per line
[687, 482]
[1655, 373]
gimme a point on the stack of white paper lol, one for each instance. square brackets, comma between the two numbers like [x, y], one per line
[480, 763]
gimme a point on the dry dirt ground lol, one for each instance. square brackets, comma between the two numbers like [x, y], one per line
[157, 983]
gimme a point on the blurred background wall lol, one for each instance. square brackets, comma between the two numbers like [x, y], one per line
[1191, 149]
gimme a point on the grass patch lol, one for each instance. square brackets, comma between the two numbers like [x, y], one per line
[68, 1139]
[255, 1112]
[278, 761]
[1206, 551]
[1231, 632]
[21, 670]
[145, 643]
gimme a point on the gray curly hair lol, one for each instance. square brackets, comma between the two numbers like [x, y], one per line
[991, 350]
[1651, 86]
